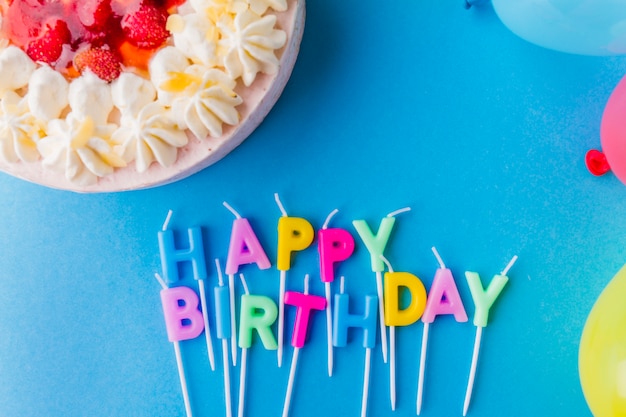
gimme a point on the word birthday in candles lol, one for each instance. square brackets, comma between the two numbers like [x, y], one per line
[187, 312]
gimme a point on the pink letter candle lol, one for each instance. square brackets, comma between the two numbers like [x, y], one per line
[171, 256]
[305, 304]
[244, 248]
[334, 245]
[183, 320]
[444, 298]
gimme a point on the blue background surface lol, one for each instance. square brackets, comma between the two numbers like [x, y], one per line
[402, 103]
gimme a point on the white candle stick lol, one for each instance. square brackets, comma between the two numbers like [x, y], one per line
[207, 327]
[243, 370]
[226, 363]
[366, 381]
[231, 288]
[183, 380]
[294, 364]
[476, 352]
[472, 375]
[292, 377]
[420, 380]
[281, 296]
[422, 371]
[329, 312]
[179, 360]
[329, 328]
[233, 320]
[381, 314]
[392, 353]
[281, 316]
[225, 354]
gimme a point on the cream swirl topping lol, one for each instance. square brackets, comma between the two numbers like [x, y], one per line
[86, 127]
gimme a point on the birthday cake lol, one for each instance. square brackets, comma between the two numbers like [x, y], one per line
[110, 95]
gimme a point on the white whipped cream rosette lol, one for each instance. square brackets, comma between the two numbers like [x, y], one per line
[221, 71]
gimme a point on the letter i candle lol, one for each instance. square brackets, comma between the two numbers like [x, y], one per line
[244, 248]
[376, 246]
[483, 299]
[223, 330]
[334, 245]
[443, 298]
[305, 304]
[294, 234]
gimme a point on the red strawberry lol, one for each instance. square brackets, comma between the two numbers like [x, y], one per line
[145, 27]
[49, 45]
[94, 14]
[102, 62]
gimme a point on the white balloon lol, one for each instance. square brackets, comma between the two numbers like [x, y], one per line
[588, 27]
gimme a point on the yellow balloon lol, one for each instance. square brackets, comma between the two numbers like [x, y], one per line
[602, 354]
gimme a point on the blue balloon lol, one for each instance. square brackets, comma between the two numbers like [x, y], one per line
[588, 27]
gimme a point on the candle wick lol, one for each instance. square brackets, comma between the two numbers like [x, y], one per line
[245, 284]
[280, 205]
[402, 210]
[342, 284]
[441, 264]
[509, 265]
[232, 210]
[330, 216]
[306, 284]
[167, 220]
[158, 278]
[386, 261]
[220, 278]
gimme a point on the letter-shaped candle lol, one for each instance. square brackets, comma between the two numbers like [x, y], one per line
[180, 308]
[443, 298]
[244, 248]
[394, 281]
[376, 246]
[334, 245]
[483, 299]
[305, 304]
[344, 320]
[258, 312]
[171, 256]
[223, 329]
[183, 320]
[294, 234]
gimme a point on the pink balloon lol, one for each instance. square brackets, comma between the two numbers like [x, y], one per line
[613, 131]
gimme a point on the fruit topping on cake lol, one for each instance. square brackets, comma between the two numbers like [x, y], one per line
[91, 86]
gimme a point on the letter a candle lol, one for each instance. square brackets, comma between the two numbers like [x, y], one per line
[244, 248]
[443, 298]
